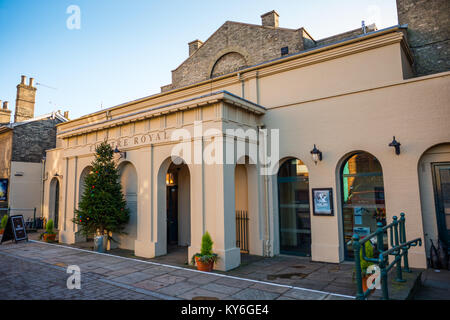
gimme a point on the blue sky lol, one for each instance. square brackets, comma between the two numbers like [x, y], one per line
[125, 50]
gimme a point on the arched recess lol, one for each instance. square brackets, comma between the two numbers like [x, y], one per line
[174, 205]
[129, 183]
[362, 201]
[434, 184]
[294, 208]
[54, 202]
[82, 184]
[229, 62]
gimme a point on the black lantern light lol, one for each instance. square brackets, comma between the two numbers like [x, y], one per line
[122, 154]
[316, 154]
[396, 145]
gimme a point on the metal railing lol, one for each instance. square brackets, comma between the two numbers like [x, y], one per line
[32, 223]
[242, 230]
[399, 248]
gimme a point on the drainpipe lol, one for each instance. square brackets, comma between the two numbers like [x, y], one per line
[44, 178]
[266, 245]
[257, 87]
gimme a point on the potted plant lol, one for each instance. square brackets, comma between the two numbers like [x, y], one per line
[3, 223]
[206, 258]
[365, 264]
[49, 235]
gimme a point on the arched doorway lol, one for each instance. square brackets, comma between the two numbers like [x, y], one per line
[129, 183]
[363, 204]
[241, 207]
[178, 206]
[54, 202]
[293, 208]
[434, 184]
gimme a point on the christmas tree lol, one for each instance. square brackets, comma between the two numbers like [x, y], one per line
[102, 208]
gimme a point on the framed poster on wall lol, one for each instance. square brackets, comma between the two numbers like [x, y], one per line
[322, 201]
[3, 189]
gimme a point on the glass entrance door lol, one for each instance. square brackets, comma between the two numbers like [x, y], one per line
[442, 196]
[294, 213]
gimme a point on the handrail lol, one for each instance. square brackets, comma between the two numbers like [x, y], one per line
[399, 248]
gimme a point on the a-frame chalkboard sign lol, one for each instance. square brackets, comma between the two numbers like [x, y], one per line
[15, 229]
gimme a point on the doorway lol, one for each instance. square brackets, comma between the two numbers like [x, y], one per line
[54, 202]
[172, 215]
[441, 183]
[178, 207]
[294, 210]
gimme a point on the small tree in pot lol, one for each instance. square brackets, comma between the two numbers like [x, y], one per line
[102, 209]
[206, 258]
[49, 235]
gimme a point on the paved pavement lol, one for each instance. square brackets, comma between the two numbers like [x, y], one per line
[34, 270]
[435, 285]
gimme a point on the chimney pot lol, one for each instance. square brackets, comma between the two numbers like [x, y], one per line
[5, 105]
[270, 19]
[66, 114]
[31, 82]
[194, 45]
[24, 79]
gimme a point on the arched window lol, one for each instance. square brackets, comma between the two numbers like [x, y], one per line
[363, 204]
[228, 63]
[294, 212]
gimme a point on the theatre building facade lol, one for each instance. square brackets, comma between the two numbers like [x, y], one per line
[227, 146]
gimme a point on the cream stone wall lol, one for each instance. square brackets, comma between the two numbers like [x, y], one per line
[344, 98]
[25, 190]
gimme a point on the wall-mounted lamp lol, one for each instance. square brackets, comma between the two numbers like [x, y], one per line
[396, 145]
[170, 179]
[123, 154]
[316, 155]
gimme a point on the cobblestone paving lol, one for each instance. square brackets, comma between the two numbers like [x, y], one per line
[33, 270]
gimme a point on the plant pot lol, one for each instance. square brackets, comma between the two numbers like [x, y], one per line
[49, 237]
[364, 284]
[202, 266]
[1, 231]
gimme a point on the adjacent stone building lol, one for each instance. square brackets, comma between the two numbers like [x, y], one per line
[23, 144]
[428, 33]
[300, 132]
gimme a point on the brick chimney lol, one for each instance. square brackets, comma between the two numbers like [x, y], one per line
[194, 45]
[25, 100]
[5, 113]
[66, 115]
[270, 19]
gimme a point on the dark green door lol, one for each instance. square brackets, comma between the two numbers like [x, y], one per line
[441, 173]
[56, 213]
[172, 215]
